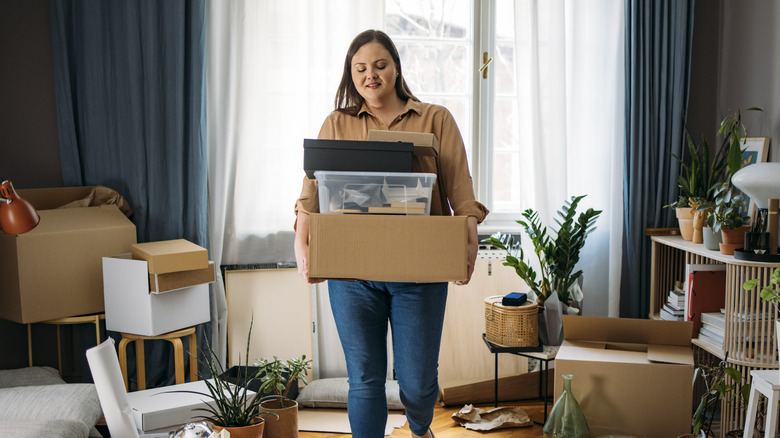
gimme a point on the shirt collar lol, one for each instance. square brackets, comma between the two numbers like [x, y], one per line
[411, 105]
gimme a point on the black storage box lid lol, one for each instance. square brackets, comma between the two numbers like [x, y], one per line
[356, 156]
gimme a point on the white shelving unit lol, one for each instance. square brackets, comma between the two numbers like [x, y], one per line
[669, 256]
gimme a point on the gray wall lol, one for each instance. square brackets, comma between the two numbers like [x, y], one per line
[29, 151]
[749, 64]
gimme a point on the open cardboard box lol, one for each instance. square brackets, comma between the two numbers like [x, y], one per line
[132, 307]
[54, 270]
[632, 377]
[420, 249]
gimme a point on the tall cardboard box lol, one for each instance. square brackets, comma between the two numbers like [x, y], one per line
[55, 270]
[421, 249]
[632, 377]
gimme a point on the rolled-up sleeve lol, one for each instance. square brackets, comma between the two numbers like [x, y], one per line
[454, 171]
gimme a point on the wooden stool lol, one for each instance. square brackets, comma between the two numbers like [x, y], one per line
[83, 319]
[766, 382]
[175, 339]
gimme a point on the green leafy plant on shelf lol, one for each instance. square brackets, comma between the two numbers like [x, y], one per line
[557, 256]
[769, 293]
[277, 376]
[729, 209]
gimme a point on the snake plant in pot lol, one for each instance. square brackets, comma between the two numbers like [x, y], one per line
[556, 284]
[234, 407]
[701, 175]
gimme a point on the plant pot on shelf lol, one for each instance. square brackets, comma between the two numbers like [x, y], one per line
[685, 221]
[285, 424]
[252, 431]
[733, 238]
[711, 239]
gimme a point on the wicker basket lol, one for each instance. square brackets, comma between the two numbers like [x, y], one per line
[511, 326]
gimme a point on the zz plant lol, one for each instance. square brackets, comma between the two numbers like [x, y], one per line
[557, 255]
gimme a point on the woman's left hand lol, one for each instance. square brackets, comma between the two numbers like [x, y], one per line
[473, 247]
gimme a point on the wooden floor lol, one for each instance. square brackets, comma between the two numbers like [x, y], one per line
[444, 426]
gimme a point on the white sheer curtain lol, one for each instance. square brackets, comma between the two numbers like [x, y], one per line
[273, 70]
[570, 57]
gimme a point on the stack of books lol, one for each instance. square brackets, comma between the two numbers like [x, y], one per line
[674, 308]
[713, 327]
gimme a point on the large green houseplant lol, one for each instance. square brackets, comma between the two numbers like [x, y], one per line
[556, 256]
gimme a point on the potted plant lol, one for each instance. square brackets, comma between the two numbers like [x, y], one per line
[557, 258]
[710, 238]
[730, 218]
[701, 175]
[277, 377]
[697, 182]
[721, 382]
[235, 407]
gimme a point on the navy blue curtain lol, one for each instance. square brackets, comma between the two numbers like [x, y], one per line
[658, 51]
[130, 95]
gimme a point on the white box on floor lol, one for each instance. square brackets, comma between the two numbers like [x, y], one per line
[167, 407]
[130, 306]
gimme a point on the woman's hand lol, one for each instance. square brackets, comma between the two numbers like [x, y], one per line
[302, 247]
[473, 247]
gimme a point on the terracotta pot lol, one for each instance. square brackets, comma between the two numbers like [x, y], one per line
[252, 431]
[733, 236]
[286, 424]
[685, 220]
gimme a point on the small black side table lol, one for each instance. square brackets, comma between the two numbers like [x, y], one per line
[541, 353]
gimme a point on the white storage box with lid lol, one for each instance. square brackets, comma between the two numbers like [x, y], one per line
[375, 192]
[132, 308]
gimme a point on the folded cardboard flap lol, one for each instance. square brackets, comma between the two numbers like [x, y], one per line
[634, 331]
[425, 143]
[171, 255]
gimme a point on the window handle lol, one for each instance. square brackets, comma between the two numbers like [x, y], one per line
[485, 61]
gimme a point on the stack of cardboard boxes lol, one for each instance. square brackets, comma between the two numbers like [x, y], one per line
[390, 247]
[158, 288]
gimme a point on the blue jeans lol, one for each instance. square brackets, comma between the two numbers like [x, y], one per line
[361, 310]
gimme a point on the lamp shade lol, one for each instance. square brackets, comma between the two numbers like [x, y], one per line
[760, 181]
[17, 216]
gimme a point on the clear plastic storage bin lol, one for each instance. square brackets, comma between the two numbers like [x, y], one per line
[375, 192]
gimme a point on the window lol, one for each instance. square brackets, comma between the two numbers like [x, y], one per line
[443, 44]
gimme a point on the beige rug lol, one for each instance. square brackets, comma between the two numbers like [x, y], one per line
[336, 421]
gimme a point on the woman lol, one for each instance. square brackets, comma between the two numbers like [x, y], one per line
[374, 95]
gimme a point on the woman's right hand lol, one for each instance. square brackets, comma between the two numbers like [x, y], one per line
[302, 248]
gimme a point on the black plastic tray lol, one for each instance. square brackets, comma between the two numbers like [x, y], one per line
[740, 254]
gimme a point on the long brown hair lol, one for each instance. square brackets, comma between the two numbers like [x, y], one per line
[348, 100]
